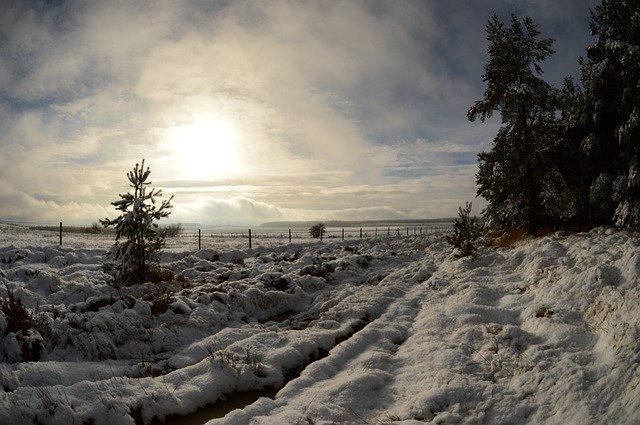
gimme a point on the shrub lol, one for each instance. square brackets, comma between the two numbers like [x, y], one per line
[317, 230]
[95, 229]
[466, 231]
[172, 230]
[17, 316]
[131, 260]
[27, 340]
[160, 303]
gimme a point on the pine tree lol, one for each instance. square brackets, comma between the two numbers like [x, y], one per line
[611, 80]
[571, 158]
[133, 257]
[466, 231]
[511, 176]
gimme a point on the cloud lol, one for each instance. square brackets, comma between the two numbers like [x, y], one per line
[15, 203]
[338, 109]
[247, 211]
[282, 71]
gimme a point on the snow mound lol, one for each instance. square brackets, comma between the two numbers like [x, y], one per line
[380, 331]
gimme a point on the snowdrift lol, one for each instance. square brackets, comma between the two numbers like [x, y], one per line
[388, 330]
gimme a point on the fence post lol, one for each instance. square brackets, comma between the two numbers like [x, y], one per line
[321, 234]
[60, 233]
[249, 238]
[199, 240]
[289, 235]
[376, 234]
[388, 231]
[343, 233]
[361, 233]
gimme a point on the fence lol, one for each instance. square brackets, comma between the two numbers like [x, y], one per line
[302, 235]
[190, 239]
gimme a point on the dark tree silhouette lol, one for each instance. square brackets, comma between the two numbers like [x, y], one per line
[317, 230]
[512, 175]
[611, 80]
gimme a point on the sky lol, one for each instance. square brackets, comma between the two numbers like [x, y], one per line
[252, 111]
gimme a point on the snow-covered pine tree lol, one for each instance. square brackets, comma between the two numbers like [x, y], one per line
[466, 231]
[571, 156]
[138, 240]
[611, 80]
[510, 176]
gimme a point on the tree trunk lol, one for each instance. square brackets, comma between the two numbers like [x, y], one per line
[531, 183]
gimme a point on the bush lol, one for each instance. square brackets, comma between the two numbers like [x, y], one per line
[17, 316]
[95, 229]
[132, 259]
[172, 230]
[466, 231]
[317, 230]
[25, 343]
[160, 302]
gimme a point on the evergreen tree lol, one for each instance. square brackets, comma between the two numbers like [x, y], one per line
[136, 224]
[512, 176]
[566, 188]
[611, 80]
[466, 231]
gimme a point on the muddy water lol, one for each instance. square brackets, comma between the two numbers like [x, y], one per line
[279, 318]
[244, 399]
[219, 409]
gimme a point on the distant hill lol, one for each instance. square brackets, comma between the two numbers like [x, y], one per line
[358, 223]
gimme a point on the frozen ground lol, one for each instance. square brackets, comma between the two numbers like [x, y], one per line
[388, 330]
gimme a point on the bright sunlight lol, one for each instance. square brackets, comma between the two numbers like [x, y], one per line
[206, 148]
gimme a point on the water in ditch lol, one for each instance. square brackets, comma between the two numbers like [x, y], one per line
[241, 400]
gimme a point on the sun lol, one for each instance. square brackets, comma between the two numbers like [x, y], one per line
[205, 148]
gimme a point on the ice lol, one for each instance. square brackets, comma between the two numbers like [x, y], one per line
[381, 330]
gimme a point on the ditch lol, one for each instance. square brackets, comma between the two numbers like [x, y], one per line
[240, 400]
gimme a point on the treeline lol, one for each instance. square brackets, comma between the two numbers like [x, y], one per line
[567, 156]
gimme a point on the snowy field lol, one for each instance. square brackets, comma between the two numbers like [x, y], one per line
[23, 236]
[372, 331]
[222, 238]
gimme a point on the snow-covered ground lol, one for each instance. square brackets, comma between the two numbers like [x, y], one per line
[385, 330]
[24, 236]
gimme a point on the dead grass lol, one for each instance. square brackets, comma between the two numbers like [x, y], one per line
[544, 312]
[507, 238]
[160, 304]
[159, 274]
[161, 295]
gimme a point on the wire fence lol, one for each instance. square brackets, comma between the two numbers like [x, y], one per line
[199, 239]
[256, 236]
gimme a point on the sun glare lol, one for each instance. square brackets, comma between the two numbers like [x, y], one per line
[206, 148]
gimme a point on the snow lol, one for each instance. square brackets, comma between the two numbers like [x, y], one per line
[384, 330]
